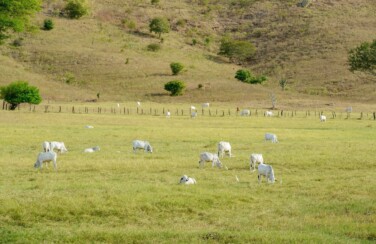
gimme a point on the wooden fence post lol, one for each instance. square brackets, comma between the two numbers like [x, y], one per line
[374, 115]
[72, 109]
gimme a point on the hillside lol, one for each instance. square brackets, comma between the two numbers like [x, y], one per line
[106, 51]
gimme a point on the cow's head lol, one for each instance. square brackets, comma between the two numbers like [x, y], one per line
[149, 148]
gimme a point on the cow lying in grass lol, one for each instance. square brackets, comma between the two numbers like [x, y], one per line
[187, 180]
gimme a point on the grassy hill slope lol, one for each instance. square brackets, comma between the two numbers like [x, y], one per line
[106, 51]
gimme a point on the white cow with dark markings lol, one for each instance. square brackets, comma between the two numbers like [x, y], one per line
[266, 171]
[138, 144]
[255, 158]
[187, 180]
[209, 157]
[224, 148]
[45, 157]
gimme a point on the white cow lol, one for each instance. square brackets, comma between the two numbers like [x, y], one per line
[224, 148]
[268, 113]
[138, 104]
[193, 114]
[255, 158]
[267, 171]
[271, 137]
[137, 144]
[89, 127]
[168, 114]
[193, 108]
[205, 105]
[45, 157]
[92, 149]
[245, 112]
[60, 146]
[322, 118]
[187, 180]
[46, 146]
[209, 157]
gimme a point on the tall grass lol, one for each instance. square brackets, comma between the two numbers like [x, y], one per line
[325, 190]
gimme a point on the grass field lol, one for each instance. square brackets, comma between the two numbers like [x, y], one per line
[325, 191]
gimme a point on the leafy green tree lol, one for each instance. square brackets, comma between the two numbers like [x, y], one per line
[236, 50]
[176, 87]
[14, 15]
[176, 68]
[363, 58]
[159, 26]
[20, 92]
[75, 9]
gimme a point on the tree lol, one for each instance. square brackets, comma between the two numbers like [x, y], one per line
[363, 58]
[176, 87]
[236, 50]
[14, 15]
[176, 68]
[20, 92]
[283, 83]
[75, 9]
[159, 26]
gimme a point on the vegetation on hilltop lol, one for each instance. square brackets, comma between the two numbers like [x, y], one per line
[107, 51]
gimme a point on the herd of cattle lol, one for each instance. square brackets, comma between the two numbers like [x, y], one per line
[224, 148]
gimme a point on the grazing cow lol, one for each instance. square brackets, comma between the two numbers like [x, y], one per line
[168, 114]
[138, 104]
[322, 118]
[209, 157]
[193, 108]
[137, 144]
[92, 149]
[193, 114]
[45, 157]
[267, 171]
[205, 105]
[187, 180]
[245, 112]
[224, 148]
[271, 137]
[268, 113]
[46, 146]
[89, 127]
[255, 158]
[60, 146]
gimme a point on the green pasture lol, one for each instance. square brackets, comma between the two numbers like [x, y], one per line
[325, 193]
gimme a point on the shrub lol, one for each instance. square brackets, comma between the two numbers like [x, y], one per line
[176, 87]
[176, 68]
[154, 2]
[18, 42]
[200, 86]
[236, 50]
[154, 47]
[20, 92]
[48, 24]
[75, 9]
[243, 75]
[246, 76]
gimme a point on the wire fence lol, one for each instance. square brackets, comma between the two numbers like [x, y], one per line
[163, 111]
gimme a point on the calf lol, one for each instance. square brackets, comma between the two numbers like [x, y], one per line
[187, 180]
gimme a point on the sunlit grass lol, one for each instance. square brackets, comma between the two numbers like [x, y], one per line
[325, 190]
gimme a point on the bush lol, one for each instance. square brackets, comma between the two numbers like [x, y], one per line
[176, 87]
[48, 24]
[154, 47]
[154, 2]
[246, 76]
[20, 92]
[243, 75]
[236, 50]
[176, 68]
[75, 9]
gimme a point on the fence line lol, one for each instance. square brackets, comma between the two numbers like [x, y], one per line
[255, 112]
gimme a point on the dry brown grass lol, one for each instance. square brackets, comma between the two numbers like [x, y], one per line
[100, 53]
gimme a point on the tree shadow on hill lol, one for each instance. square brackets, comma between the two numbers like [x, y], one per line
[157, 94]
[161, 74]
[143, 34]
[217, 59]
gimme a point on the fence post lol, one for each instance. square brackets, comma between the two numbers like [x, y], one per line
[72, 109]
[209, 112]
[361, 115]
[374, 115]
[182, 112]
